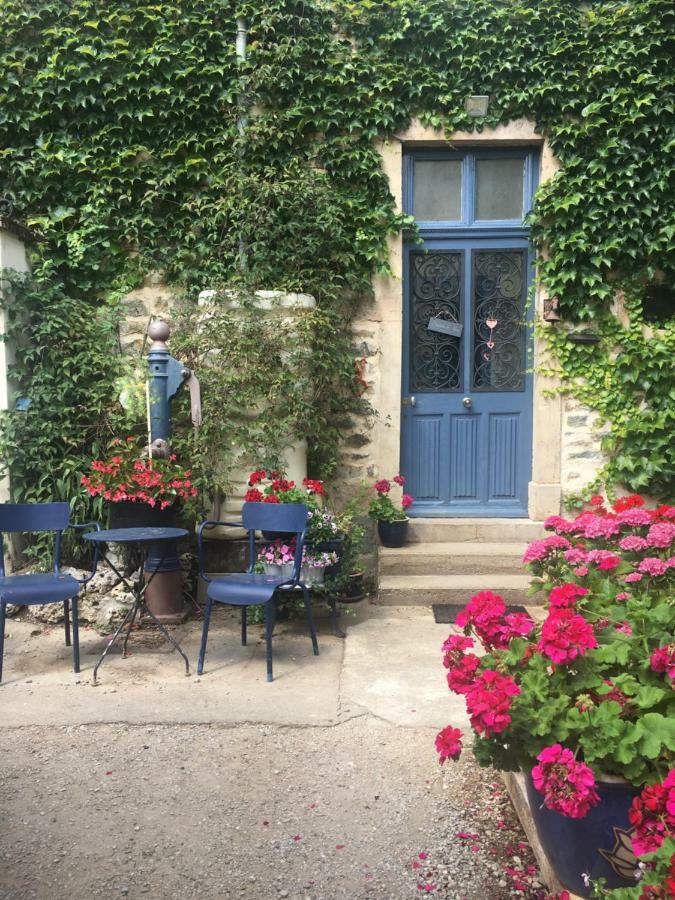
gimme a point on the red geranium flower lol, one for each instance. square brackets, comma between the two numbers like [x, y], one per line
[566, 635]
[568, 786]
[448, 744]
[652, 815]
[489, 702]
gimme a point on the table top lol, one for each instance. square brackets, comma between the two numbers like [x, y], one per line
[135, 535]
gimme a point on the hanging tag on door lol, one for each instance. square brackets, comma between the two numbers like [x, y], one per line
[443, 326]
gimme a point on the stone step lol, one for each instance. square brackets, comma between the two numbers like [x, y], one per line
[423, 590]
[453, 530]
[453, 558]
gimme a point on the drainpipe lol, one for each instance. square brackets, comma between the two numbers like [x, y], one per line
[242, 34]
[242, 118]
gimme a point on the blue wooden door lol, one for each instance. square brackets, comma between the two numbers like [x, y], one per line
[467, 386]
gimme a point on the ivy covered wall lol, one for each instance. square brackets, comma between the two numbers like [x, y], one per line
[119, 141]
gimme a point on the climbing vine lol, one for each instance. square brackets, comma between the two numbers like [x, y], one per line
[119, 138]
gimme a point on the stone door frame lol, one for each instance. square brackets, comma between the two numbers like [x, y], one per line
[544, 490]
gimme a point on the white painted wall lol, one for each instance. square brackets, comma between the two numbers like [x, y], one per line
[12, 256]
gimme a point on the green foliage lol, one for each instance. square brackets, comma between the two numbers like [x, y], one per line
[610, 704]
[63, 365]
[119, 138]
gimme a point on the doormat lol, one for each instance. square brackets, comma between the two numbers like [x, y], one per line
[446, 613]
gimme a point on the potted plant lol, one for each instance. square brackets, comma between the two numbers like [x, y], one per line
[274, 487]
[392, 521]
[583, 703]
[140, 490]
[278, 558]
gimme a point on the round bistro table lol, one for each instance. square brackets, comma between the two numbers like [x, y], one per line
[140, 537]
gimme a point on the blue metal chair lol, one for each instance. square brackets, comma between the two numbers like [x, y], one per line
[249, 589]
[42, 588]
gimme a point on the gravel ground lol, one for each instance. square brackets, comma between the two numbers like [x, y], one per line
[359, 810]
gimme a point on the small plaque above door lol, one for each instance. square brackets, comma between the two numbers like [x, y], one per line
[443, 326]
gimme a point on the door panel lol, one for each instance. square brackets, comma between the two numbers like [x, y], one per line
[427, 450]
[436, 289]
[464, 442]
[466, 424]
[503, 457]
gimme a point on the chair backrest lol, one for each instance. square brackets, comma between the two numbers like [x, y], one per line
[34, 517]
[274, 516]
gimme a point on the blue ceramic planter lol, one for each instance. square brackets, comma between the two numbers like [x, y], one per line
[598, 845]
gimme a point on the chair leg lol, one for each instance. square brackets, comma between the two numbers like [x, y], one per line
[310, 619]
[76, 636]
[66, 621]
[205, 634]
[269, 627]
[2, 632]
[244, 611]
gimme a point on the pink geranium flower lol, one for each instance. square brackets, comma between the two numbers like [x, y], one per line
[539, 549]
[448, 745]
[652, 565]
[575, 555]
[663, 660]
[399, 480]
[634, 517]
[461, 666]
[633, 542]
[557, 523]
[489, 702]
[661, 535]
[568, 786]
[566, 635]
[603, 559]
[566, 594]
[383, 486]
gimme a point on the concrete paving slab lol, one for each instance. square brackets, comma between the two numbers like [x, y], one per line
[393, 669]
[150, 686]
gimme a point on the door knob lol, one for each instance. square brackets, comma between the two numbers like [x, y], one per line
[409, 401]
[467, 402]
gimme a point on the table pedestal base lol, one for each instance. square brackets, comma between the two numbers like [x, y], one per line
[164, 597]
[138, 610]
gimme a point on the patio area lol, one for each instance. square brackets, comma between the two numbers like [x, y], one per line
[324, 784]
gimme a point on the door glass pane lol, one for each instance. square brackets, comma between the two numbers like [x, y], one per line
[436, 300]
[499, 188]
[438, 190]
[498, 345]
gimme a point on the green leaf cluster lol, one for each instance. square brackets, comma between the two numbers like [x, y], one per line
[122, 138]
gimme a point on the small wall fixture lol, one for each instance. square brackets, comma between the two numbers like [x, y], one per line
[551, 313]
[583, 337]
[477, 105]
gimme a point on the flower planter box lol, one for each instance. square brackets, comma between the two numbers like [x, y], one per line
[597, 845]
[309, 575]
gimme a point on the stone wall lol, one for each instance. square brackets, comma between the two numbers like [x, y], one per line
[582, 456]
[152, 299]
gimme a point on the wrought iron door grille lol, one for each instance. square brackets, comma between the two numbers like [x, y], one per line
[435, 292]
[499, 285]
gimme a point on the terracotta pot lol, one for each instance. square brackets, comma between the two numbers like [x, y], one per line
[598, 845]
[392, 534]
